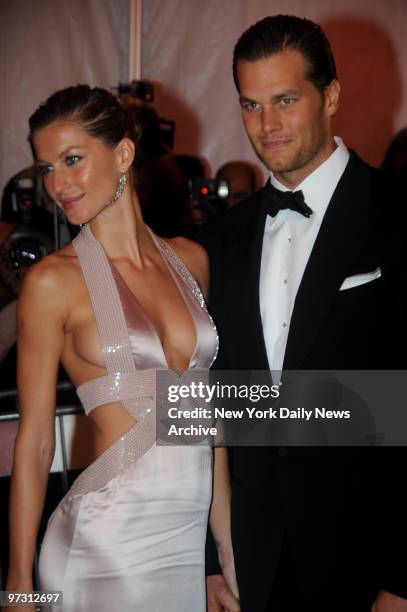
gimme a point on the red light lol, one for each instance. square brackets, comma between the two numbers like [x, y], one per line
[27, 203]
[204, 191]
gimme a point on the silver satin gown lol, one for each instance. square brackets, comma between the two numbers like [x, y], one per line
[130, 533]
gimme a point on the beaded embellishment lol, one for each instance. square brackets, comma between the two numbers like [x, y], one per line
[180, 268]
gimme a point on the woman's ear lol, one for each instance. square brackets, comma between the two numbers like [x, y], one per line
[125, 152]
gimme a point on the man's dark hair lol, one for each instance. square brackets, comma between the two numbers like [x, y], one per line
[280, 32]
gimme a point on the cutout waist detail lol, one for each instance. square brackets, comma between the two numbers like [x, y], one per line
[117, 387]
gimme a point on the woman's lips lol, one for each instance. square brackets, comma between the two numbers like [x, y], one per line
[70, 202]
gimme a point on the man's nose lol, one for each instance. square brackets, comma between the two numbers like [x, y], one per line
[270, 120]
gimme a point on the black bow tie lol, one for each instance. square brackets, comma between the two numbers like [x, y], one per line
[274, 200]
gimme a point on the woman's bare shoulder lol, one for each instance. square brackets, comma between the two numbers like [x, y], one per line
[194, 257]
[52, 277]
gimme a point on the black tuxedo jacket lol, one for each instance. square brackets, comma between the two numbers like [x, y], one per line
[337, 509]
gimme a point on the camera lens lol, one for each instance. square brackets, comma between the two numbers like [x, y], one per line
[26, 254]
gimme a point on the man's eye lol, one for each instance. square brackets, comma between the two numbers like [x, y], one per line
[72, 159]
[250, 106]
[287, 101]
[43, 169]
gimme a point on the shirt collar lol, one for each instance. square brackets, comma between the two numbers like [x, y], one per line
[318, 187]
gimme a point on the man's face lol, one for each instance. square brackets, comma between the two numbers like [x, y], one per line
[286, 118]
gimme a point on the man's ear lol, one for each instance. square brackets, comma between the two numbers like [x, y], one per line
[332, 93]
[125, 152]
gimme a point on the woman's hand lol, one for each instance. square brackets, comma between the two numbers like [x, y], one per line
[229, 572]
[220, 597]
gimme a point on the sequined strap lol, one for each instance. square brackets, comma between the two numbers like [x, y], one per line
[180, 268]
[110, 320]
[135, 389]
[118, 387]
[175, 262]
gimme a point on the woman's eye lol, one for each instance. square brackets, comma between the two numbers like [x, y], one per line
[72, 159]
[43, 169]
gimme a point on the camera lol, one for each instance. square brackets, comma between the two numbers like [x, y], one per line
[22, 249]
[207, 198]
[208, 189]
[22, 199]
[142, 90]
[27, 247]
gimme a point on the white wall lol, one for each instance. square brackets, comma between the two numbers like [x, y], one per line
[188, 48]
[49, 44]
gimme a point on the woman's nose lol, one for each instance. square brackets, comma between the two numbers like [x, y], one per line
[60, 181]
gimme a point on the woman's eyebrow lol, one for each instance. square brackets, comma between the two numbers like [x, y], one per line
[64, 152]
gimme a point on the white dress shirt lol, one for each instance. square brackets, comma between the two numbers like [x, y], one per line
[287, 244]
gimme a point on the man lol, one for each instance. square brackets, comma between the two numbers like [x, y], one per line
[315, 287]
[241, 180]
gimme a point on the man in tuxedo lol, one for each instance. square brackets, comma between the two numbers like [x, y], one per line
[308, 280]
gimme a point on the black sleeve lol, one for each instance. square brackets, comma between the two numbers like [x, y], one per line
[393, 459]
[211, 555]
[392, 516]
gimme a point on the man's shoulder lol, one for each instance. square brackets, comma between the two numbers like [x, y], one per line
[243, 210]
[236, 217]
[379, 192]
[358, 163]
[365, 179]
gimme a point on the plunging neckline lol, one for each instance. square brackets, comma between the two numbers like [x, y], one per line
[174, 275]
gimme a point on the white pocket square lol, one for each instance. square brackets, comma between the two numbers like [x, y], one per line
[360, 279]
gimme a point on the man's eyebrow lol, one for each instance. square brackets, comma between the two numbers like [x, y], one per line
[274, 98]
[244, 99]
[285, 94]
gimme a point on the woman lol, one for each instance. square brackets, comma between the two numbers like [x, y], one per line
[113, 306]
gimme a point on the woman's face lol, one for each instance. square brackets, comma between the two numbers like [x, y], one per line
[80, 171]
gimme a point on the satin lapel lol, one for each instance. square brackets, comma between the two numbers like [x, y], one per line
[242, 244]
[340, 238]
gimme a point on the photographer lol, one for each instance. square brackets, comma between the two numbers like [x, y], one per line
[8, 301]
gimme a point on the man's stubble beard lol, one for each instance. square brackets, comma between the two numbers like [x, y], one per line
[298, 159]
[304, 156]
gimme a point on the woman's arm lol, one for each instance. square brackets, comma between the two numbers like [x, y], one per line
[221, 596]
[219, 519]
[41, 319]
